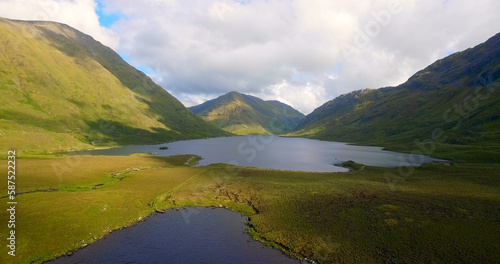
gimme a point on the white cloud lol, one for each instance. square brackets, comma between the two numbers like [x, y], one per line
[77, 14]
[299, 96]
[293, 50]
[207, 48]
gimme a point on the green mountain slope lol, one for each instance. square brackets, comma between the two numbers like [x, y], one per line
[451, 104]
[244, 114]
[62, 90]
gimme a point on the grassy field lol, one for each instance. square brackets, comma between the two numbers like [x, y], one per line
[62, 90]
[435, 214]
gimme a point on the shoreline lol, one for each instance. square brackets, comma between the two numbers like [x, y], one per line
[249, 231]
[307, 197]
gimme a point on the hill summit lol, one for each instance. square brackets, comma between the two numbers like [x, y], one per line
[61, 89]
[244, 114]
[451, 103]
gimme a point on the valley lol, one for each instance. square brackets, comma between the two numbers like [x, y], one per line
[62, 91]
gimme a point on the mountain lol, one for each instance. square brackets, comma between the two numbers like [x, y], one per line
[453, 102]
[61, 89]
[244, 114]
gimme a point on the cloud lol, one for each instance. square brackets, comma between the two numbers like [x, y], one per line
[303, 52]
[202, 49]
[77, 14]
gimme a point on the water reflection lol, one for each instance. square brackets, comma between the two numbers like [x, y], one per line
[272, 152]
[193, 235]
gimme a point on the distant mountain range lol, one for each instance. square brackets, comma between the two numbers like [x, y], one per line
[61, 89]
[244, 114]
[453, 102]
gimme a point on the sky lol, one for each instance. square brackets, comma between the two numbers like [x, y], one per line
[301, 52]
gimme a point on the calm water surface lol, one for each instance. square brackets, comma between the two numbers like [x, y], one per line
[272, 152]
[193, 235]
[203, 235]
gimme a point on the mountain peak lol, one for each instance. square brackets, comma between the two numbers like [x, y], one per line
[456, 95]
[444, 72]
[233, 96]
[245, 114]
[233, 93]
[67, 90]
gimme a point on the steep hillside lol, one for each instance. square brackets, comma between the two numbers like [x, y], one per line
[245, 114]
[454, 103]
[288, 114]
[62, 90]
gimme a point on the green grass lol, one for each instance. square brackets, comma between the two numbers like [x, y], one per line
[246, 129]
[457, 95]
[245, 115]
[353, 166]
[60, 213]
[438, 214]
[61, 89]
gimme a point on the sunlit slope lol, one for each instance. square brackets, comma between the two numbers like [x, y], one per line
[61, 89]
[454, 102]
[244, 114]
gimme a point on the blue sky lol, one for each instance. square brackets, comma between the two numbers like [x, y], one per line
[142, 68]
[105, 19]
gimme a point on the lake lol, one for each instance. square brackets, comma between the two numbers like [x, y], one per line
[273, 152]
[207, 235]
[191, 235]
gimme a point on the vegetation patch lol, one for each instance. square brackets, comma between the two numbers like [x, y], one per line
[353, 166]
[445, 213]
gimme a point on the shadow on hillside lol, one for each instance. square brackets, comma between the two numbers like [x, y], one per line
[104, 132]
[42, 121]
[163, 106]
[100, 132]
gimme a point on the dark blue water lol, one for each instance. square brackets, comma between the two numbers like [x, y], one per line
[272, 152]
[193, 235]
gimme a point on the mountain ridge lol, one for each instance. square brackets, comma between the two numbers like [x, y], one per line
[67, 90]
[458, 95]
[245, 114]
